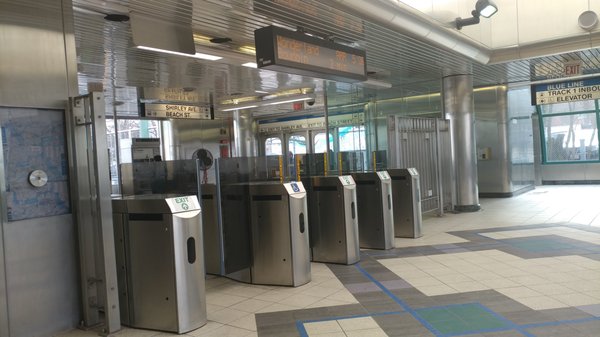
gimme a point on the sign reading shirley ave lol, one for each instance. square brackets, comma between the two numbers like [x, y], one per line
[563, 92]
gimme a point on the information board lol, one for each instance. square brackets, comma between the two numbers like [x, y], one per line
[176, 111]
[563, 92]
[294, 52]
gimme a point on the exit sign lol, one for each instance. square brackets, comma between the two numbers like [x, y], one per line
[573, 68]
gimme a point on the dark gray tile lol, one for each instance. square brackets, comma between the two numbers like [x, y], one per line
[526, 317]
[555, 331]
[565, 314]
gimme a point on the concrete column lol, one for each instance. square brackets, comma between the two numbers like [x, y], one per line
[457, 95]
[244, 134]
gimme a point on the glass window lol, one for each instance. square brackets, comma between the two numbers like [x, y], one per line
[127, 129]
[549, 109]
[320, 143]
[273, 146]
[352, 138]
[572, 137]
[297, 144]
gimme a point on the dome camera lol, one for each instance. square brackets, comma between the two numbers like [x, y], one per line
[311, 102]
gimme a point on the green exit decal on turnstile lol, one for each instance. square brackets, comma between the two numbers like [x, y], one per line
[182, 204]
[383, 175]
[346, 180]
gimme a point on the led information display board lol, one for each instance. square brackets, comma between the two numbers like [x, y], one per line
[297, 53]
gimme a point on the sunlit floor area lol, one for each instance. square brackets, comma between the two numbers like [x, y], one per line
[522, 266]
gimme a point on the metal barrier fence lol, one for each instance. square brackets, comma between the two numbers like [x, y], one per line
[424, 143]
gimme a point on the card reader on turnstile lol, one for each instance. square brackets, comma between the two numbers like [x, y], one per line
[160, 262]
[376, 214]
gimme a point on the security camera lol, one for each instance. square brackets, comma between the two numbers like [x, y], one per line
[311, 102]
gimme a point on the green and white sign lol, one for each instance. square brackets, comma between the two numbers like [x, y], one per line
[183, 204]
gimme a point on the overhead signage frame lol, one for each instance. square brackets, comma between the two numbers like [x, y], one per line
[297, 53]
[564, 92]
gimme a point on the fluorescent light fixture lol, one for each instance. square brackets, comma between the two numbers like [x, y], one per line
[250, 65]
[486, 8]
[248, 50]
[240, 107]
[375, 84]
[261, 92]
[197, 55]
[289, 100]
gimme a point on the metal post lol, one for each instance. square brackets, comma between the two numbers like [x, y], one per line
[92, 205]
[4, 322]
[438, 173]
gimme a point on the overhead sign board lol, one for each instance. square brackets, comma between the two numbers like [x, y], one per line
[563, 92]
[176, 111]
[297, 53]
[184, 95]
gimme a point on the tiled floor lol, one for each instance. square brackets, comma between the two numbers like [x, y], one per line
[523, 266]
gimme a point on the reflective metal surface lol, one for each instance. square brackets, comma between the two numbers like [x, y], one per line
[161, 264]
[93, 211]
[333, 219]
[280, 241]
[245, 134]
[457, 97]
[493, 162]
[423, 143]
[406, 193]
[213, 240]
[375, 210]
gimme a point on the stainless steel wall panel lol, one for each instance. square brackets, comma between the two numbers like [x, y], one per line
[41, 276]
[32, 59]
[187, 136]
[491, 114]
[38, 67]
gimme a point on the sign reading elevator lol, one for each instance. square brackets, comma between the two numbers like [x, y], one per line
[563, 92]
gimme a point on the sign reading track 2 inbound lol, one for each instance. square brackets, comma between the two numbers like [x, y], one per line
[563, 92]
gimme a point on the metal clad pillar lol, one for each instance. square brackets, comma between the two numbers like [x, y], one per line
[244, 134]
[457, 95]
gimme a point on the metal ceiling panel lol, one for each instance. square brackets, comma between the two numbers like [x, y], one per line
[106, 53]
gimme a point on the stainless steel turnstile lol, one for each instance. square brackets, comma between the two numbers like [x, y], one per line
[160, 262]
[406, 194]
[280, 246]
[213, 248]
[333, 219]
[376, 214]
